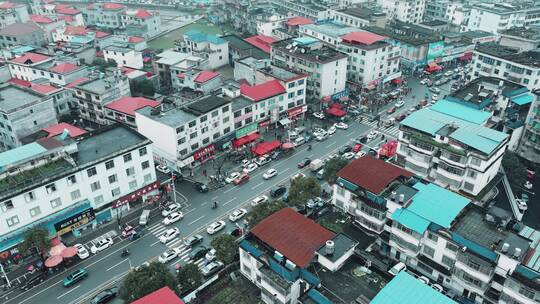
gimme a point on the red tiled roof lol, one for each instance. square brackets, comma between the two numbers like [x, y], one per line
[362, 37]
[109, 6]
[263, 90]
[66, 18]
[371, 173]
[76, 82]
[135, 39]
[126, 70]
[205, 76]
[181, 75]
[59, 129]
[161, 296]
[293, 235]
[100, 34]
[140, 13]
[299, 21]
[75, 30]
[66, 10]
[42, 88]
[20, 82]
[260, 41]
[41, 19]
[128, 105]
[64, 68]
[8, 5]
[30, 58]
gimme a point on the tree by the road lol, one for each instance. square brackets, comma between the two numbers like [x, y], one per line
[226, 248]
[189, 277]
[331, 168]
[302, 189]
[145, 280]
[514, 168]
[36, 240]
[262, 211]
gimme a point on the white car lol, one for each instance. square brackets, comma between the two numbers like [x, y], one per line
[168, 255]
[318, 115]
[297, 175]
[259, 200]
[250, 168]
[423, 279]
[237, 214]
[215, 227]
[270, 173]
[331, 130]
[400, 104]
[319, 132]
[360, 154]
[245, 162]
[372, 135]
[163, 169]
[169, 235]
[341, 125]
[434, 97]
[210, 255]
[82, 252]
[170, 209]
[231, 177]
[349, 155]
[101, 245]
[399, 267]
[423, 81]
[211, 268]
[528, 185]
[263, 160]
[173, 217]
[437, 287]
[522, 204]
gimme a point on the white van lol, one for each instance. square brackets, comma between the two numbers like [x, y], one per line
[299, 141]
[399, 267]
[145, 216]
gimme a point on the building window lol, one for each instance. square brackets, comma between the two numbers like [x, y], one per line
[12, 221]
[95, 186]
[181, 140]
[109, 164]
[35, 211]
[29, 196]
[115, 192]
[452, 247]
[194, 146]
[50, 188]
[429, 251]
[447, 261]
[91, 172]
[145, 165]
[468, 186]
[71, 180]
[112, 179]
[147, 178]
[75, 195]
[432, 236]
[130, 171]
[127, 158]
[192, 124]
[203, 118]
[133, 185]
[56, 202]
[142, 151]
[526, 292]
[193, 135]
[98, 200]
[7, 205]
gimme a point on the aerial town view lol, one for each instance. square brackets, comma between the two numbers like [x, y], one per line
[269, 151]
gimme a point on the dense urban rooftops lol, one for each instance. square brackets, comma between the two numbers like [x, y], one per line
[331, 29]
[207, 104]
[173, 118]
[197, 36]
[530, 33]
[313, 49]
[13, 98]
[128, 105]
[363, 12]
[401, 35]
[280, 73]
[527, 58]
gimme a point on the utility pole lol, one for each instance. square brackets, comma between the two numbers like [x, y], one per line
[173, 178]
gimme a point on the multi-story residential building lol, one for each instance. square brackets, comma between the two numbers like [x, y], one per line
[53, 131]
[94, 94]
[103, 14]
[123, 109]
[33, 66]
[171, 63]
[529, 145]
[265, 20]
[61, 97]
[453, 12]
[124, 56]
[326, 68]
[520, 38]
[448, 144]
[48, 24]
[493, 60]
[327, 32]
[240, 48]
[404, 10]
[141, 23]
[28, 33]
[24, 112]
[272, 258]
[494, 17]
[12, 13]
[313, 9]
[80, 35]
[359, 16]
[183, 137]
[211, 47]
[372, 60]
[66, 13]
[203, 82]
[261, 42]
[65, 184]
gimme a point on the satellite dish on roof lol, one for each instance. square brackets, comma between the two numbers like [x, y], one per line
[289, 46]
[302, 50]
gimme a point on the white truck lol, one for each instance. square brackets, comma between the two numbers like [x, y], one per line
[316, 164]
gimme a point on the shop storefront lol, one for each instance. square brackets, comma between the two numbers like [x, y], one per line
[123, 204]
[72, 223]
[204, 153]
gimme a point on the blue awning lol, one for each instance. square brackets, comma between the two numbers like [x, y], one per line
[522, 99]
[310, 277]
[250, 248]
[318, 297]
[475, 248]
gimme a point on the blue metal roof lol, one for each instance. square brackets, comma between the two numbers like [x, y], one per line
[345, 183]
[410, 220]
[251, 249]
[461, 111]
[406, 289]
[474, 247]
[481, 138]
[318, 297]
[305, 40]
[527, 272]
[198, 36]
[522, 99]
[19, 153]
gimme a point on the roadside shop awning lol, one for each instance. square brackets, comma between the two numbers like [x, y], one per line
[287, 145]
[245, 139]
[466, 56]
[266, 147]
[396, 80]
[336, 111]
[285, 121]
[69, 252]
[53, 261]
[433, 67]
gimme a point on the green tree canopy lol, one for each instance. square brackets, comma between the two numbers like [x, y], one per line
[36, 240]
[262, 211]
[226, 248]
[144, 87]
[189, 277]
[302, 189]
[331, 168]
[145, 280]
[514, 168]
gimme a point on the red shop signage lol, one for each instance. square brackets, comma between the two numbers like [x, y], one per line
[204, 152]
[135, 195]
[296, 111]
[264, 123]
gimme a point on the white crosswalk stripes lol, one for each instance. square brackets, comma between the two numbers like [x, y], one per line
[390, 130]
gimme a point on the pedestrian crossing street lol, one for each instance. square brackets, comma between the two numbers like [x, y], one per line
[391, 130]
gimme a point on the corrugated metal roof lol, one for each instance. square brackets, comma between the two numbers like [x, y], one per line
[522, 99]
[410, 220]
[461, 111]
[19, 153]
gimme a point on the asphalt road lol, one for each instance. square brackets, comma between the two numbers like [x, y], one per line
[108, 267]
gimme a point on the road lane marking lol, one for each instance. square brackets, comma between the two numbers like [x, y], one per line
[257, 185]
[310, 156]
[192, 222]
[207, 202]
[117, 264]
[214, 198]
[350, 133]
[67, 292]
[227, 191]
[152, 245]
[328, 146]
[227, 202]
[285, 170]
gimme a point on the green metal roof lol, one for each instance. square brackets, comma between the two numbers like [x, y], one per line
[410, 220]
[461, 111]
[19, 153]
[522, 99]
[405, 289]
[437, 204]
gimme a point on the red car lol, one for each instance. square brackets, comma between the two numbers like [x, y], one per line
[356, 148]
[303, 163]
[391, 110]
[241, 179]
[401, 117]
